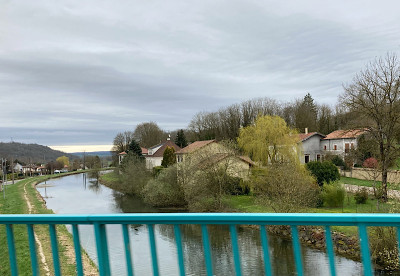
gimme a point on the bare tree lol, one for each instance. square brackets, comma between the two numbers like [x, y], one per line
[122, 141]
[374, 95]
[149, 134]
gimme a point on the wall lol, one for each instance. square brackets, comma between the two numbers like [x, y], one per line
[368, 174]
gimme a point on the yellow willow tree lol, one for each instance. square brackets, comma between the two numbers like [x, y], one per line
[269, 140]
[282, 182]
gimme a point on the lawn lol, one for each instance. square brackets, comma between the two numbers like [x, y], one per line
[366, 183]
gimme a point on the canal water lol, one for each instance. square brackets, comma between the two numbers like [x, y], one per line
[77, 194]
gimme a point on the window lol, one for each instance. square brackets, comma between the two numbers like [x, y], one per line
[325, 147]
[318, 157]
[306, 159]
[347, 148]
[334, 147]
[352, 146]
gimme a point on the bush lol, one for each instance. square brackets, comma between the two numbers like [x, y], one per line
[286, 187]
[157, 170]
[164, 190]
[236, 186]
[338, 161]
[325, 172]
[333, 195]
[134, 175]
[361, 196]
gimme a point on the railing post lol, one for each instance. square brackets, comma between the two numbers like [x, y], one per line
[54, 249]
[153, 249]
[329, 250]
[11, 250]
[235, 249]
[32, 250]
[127, 247]
[178, 238]
[207, 250]
[264, 243]
[297, 250]
[102, 249]
[365, 253]
[77, 246]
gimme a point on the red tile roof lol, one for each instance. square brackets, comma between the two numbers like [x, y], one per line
[341, 134]
[195, 146]
[122, 153]
[144, 151]
[160, 151]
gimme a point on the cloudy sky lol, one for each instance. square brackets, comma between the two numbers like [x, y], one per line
[79, 72]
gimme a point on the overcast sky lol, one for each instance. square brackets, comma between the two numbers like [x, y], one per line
[79, 72]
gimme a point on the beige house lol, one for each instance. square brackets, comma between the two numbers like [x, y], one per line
[204, 155]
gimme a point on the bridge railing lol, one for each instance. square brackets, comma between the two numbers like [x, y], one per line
[362, 221]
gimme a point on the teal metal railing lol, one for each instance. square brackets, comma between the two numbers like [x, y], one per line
[362, 221]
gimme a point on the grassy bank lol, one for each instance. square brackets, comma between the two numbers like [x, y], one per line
[15, 202]
[366, 183]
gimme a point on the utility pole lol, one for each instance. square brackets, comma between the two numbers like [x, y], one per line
[12, 169]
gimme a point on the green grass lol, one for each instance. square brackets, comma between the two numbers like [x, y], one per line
[248, 204]
[14, 203]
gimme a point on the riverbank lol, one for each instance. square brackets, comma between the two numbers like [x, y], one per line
[24, 192]
[345, 238]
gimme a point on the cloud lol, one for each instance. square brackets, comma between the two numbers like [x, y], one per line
[96, 68]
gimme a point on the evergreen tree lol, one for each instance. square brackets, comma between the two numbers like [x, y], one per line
[134, 149]
[306, 114]
[181, 139]
[168, 157]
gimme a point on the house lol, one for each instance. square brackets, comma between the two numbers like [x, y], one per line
[310, 146]
[18, 168]
[155, 154]
[121, 155]
[205, 154]
[340, 142]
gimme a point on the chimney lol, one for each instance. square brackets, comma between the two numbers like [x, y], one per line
[306, 130]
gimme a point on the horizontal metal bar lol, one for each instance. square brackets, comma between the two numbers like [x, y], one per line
[203, 218]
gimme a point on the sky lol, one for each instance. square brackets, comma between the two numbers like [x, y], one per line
[75, 73]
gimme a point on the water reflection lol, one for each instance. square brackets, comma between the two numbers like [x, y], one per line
[68, 195]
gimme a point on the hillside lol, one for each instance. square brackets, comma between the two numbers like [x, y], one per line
[30, 153]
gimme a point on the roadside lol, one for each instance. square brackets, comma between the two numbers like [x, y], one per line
[25, 191]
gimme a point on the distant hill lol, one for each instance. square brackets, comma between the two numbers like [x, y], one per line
[93, 153]
[28, 153]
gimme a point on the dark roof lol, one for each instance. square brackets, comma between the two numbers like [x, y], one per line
[195, 146]
[304, 136]
[160, 151]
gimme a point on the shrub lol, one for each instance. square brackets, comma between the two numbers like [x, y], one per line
[333, 195]
[157, 170]
[324, 172]
[164, 190]
[361, 196]
[371, 163]
[134, 174]
[338, 161]
[286, 187]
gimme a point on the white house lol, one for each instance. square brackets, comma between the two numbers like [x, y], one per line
[18, 168]
[155, 154]
[340, 142]
[310, 146]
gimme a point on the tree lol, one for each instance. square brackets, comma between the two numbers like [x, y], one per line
[122, 141]
[168, 157]
[134, 149]
[181, 139]
[374, 96]
[324, 172]
[269, 140]
[148, 134]
[306, 114]
[64, 160]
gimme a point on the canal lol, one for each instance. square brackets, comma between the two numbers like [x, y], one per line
[77, 194]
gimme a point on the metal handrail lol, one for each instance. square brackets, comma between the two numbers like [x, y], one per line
[99, 221]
